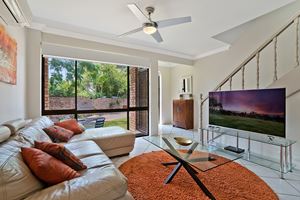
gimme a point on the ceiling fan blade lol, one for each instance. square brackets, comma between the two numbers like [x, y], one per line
[157, 37]
[174, 21]
[131, 32]
[138, 13]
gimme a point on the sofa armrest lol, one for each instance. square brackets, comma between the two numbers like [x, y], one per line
[105, 182]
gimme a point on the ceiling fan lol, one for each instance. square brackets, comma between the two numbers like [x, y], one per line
[151, 27]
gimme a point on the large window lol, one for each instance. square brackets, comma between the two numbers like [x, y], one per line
[93, 91]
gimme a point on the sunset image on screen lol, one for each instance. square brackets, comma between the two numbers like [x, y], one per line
[261, 111]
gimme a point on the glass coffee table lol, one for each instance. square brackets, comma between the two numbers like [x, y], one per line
[192, 156]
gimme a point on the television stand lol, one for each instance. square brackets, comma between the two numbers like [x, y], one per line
[283, 163]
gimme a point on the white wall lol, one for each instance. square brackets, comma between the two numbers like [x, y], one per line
[171, 88]
[35, 38]
[165, 95]
[210, 71]
[12, 97]
[153, 104]
[176, 74]
[34, 74]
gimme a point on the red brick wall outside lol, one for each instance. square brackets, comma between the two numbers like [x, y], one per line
[86, 103]
[138, 90]
[132, 91]
[142, 100]
[46, 78]
[138, 84]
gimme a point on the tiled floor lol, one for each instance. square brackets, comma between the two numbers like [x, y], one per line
[287, 189]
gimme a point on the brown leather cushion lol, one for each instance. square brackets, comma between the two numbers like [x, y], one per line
[58, 134]
[47, 168]
[61, 153]
[70, 124]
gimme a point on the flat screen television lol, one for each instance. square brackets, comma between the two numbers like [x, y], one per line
[260, 111]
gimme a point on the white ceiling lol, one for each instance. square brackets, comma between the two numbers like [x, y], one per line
[108, 18]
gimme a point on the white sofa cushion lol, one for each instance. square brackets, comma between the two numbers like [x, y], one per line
[83, 149]
[33, 133]
[96, 161]
[17, 181]
[41, 122]
[102, 180]
[107, 138]
[15, 125]
[105, 183]
[4, 133]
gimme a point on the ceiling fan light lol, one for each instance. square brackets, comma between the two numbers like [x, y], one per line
[149, 29]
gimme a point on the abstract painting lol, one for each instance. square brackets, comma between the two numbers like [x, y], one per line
[8, 57]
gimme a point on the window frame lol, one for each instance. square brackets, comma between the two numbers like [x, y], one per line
[76, 112]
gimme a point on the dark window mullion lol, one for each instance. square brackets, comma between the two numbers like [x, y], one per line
[75, 111]
[43, 84]
[76, 77]
[128, 96]
[148, 87]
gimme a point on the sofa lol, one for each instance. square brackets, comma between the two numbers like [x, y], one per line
[101, 180]
[114, 141]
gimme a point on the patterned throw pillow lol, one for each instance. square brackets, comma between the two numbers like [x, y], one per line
[61, 153]
[58, 134]
[70, 124]
[47, 168]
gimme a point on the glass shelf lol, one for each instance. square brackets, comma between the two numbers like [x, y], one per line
[283, 164]
[268, 139]
[266, 162]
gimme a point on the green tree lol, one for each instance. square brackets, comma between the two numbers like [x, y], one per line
[62, 83]
[94, 80]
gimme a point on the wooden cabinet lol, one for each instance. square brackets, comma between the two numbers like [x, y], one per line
[183, 113]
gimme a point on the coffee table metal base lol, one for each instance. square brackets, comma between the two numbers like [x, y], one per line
[192, 172]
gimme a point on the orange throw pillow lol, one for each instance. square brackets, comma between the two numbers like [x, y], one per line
[70, 124]
[59, 134]
[47, 168]
[61, 153]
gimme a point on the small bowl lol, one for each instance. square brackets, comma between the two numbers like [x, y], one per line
[183, 141]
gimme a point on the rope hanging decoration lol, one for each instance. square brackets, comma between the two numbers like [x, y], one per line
[275, 59]
[273, 40]
[201, 112]
[257, 70]
[243, 77]
[297, 41]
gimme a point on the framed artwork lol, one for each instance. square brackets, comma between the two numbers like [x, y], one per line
[8, 57]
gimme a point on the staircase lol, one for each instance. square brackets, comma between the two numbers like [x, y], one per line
[288, 79]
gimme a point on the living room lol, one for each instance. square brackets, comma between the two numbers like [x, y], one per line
[117, 78]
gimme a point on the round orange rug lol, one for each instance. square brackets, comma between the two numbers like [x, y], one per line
[231, 181]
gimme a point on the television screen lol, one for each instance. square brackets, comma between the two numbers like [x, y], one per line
[261, 111]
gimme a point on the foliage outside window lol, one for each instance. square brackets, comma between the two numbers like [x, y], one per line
[88, 90]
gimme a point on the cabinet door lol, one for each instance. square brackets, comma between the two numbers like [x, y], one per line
[189, 117]
[179, 113]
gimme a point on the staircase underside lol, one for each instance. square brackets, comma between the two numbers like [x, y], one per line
[291, 81]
